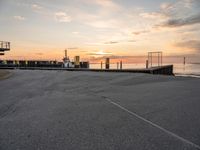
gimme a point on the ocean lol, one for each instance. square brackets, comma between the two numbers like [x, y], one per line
[179, 69]
[187, 70]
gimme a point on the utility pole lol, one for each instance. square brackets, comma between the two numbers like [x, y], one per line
[121, 64]
[184, 60]
[65, 53]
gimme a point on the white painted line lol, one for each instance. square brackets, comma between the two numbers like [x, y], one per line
[153, 124]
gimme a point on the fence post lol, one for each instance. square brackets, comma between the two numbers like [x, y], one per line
[147, 64]
[117, 65]
[107, 63]
[121, 65]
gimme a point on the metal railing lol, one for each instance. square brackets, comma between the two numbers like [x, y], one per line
[117, 65]
[4, 45]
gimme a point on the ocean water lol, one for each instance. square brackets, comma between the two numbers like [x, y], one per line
[179, 69]
[187, 70]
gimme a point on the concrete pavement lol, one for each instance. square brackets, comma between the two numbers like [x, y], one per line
[91, 110]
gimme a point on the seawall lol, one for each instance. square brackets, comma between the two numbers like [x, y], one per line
[164, 70]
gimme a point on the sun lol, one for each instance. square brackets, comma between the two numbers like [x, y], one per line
[102, 53]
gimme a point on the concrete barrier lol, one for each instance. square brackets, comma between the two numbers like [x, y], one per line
[164, 70]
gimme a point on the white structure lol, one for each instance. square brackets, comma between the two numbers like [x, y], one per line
[66, 61]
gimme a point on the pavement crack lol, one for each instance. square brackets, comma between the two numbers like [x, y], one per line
[152, 124]
[7, 110]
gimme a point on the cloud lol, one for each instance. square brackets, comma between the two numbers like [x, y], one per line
[191, 44]
[152, 15]
[117, 42]
[20, 18]
[75, 32]
[140, 32]
[125, 57]
[39, 54]
[189, 3]
[100, 53]
[180, 6]
[181, 22]
[166, 6]
[107, 4]
[72, 48]
[101, 23]
[111, 42]
[102, 16]
[180, 13]
[93, 43]
[36, 7]
[131, 41]
[62, 17]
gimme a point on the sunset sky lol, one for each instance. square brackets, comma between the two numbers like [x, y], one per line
[42, 29]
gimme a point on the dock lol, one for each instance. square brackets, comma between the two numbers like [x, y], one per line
[162, 70]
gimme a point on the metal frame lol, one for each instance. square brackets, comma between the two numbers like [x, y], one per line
[159, 55]
[4, 46]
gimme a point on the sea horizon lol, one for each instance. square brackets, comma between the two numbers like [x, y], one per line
[189, 69]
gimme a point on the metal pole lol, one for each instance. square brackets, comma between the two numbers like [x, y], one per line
[121, 65]
[148, 59]
[184, 61]
[101, 65]
[107, 63]
[147, 64]
[117, 65]
[65, 53]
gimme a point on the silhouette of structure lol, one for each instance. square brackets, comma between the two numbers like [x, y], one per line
[66, 61]
[184, 60]
[155, 59]
[121, 65]
[77, 61]
[4, 46]
[107, 63]
[74, 64]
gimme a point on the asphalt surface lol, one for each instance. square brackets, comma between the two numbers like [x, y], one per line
[48, 110]
[4, 74]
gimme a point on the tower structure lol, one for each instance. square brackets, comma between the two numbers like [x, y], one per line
[4, 46]
[66, 61]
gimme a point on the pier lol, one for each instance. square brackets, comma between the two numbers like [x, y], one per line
[163, 70]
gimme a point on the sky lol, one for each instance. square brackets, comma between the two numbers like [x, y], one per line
[95, 29]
